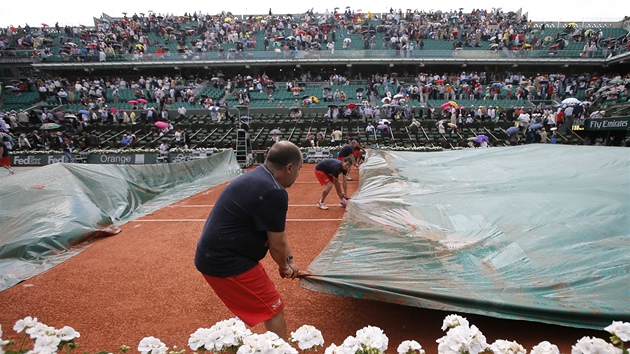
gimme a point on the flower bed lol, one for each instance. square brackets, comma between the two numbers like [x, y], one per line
[232, 336]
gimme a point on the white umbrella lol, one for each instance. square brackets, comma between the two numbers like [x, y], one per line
[275, 132]
[398, 96]
[570, 100]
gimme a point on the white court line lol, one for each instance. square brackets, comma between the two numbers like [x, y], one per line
[204, 220]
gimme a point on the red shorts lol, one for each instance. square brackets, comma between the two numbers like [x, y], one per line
[323, 178]
[5, 161]
[251, 296]
[357, 154]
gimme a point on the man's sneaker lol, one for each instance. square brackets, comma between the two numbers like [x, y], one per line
[349, 178]
[343, 202]
[322, 206]
[11, 173]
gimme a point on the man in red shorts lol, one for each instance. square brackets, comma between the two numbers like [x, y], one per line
[327, 172]
[248, 220]
[5, 159]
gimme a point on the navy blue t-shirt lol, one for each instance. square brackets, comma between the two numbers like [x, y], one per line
[345, 151]
[331, 167]
[234, 237]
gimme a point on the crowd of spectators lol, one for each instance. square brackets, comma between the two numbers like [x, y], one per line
[382, 96]
[197, 34]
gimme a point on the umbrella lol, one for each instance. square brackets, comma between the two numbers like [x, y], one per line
[68, 115]
[445, 106]
[481, 138]
[50, 126]
[314, 99]
[142, 100]
[332, 106]
[496, 84]
[352, 106]
[398, 95]
[439, 81]
[214, 108]
[246, 118]
[302, 32]
[360, 89]
[452, 125]
[570, 100]
[160, 124]
[385, 100]
[453, 103]
[535, 126]
[511, 130]
[384, 121]
[132, 101]
[275, 132]
[83, 111]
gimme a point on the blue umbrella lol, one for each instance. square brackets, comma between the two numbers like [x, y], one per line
[511, 130]
[83, 111]
[496, 84]
[247, 118]
[535, 126]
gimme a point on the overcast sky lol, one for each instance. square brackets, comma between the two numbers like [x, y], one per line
[75, 12]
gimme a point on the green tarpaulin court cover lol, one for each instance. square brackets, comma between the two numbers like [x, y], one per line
[46, 213]
[536, 232]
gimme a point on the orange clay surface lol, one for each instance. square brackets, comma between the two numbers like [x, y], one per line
[142, 282]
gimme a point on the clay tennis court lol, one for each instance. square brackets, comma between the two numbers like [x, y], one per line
[142, 282]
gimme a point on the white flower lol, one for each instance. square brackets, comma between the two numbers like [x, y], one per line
[2, 342]
[198, 339]
[67, 334]
[307, 337]
[152, 345]
[452, 321]
[501, 346]
[265, 343]
[46, 343]
[410, 347]
[545, 348]
[39, 330]
[620, 329]
[462, 339]
[223, 335]
[373, 337]
[588, 345]
[333, 349]
[26, 322]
